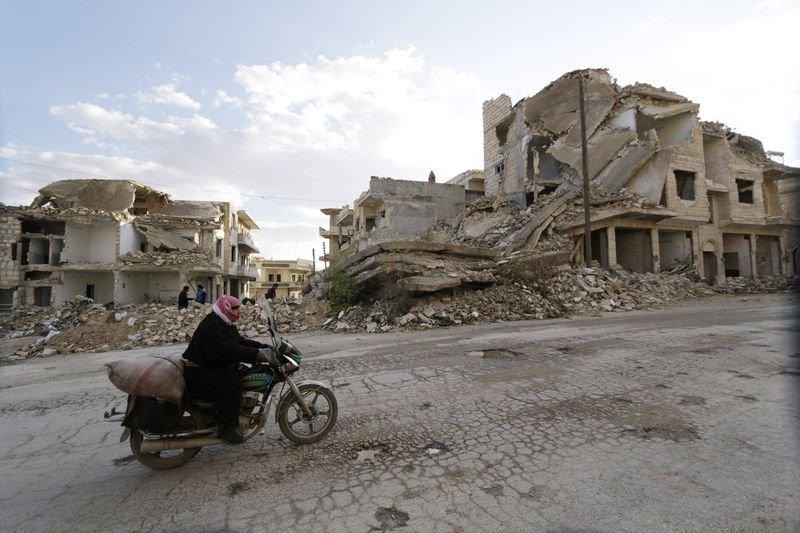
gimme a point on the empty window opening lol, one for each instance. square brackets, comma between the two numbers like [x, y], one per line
[46, 227]
[745, 189]
[26, 244]
[294, 277]
[41, 296]
[731, 260]
[684, 180]
[90, 291]
[233, 254]
[55, 251]
[500, 167]
[277, 277]
[370, 223]
[14, 252]
[36, 275]
[501, 130]
[6, 300]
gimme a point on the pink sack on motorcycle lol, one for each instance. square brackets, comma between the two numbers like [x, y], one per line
[154, 376]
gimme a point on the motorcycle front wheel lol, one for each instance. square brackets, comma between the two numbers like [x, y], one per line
[164, 460]
[301, 428]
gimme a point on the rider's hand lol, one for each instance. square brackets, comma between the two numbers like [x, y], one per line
[267, 355]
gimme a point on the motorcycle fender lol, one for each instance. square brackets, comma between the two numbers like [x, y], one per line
[299, 384]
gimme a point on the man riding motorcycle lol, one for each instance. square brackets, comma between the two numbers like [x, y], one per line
[213, 356]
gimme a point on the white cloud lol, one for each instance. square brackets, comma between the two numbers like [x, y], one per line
[224, 98]
[313, 131]
[167, 94]
[740, 74]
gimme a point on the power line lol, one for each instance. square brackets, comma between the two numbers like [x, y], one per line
[263, 197]
[23, 138]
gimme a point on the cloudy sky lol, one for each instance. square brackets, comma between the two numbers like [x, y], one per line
[284, 108]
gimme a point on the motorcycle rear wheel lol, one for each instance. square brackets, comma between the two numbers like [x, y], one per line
[301, 429]
[165, 460]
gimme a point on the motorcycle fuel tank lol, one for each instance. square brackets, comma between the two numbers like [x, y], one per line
[256, 380]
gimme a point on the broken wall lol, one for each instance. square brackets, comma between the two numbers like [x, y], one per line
[634, 250]
[494, 113]
[745, 172]
[130, 240]
[99, 285]
[90, 243]
[675, 247]
[9, 236]
[132, 287]
[688, 157]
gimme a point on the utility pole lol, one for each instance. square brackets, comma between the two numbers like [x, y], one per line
[324, 256]
[313, 260]
[587, 226]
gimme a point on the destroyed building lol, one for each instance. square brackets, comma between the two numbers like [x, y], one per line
[397, 210]
[287, 274]
[668, 193]
[119, 241]
[709, 198]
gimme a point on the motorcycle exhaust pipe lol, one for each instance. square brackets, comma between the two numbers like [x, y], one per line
[158, 445]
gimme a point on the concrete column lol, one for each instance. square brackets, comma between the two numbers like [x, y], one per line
[117, 287]
[753, 258]
[720, 268]
[784, 256]
[696, 255]
[611, 235]
[655, 249]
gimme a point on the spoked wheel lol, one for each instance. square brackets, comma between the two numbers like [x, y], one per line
[164, 460]
[249, 423]
[301, 428]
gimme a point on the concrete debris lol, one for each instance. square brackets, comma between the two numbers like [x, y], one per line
[182, 257]
[84, 326]
[100, 195]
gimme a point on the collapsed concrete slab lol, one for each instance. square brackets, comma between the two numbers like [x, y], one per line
[105, 195]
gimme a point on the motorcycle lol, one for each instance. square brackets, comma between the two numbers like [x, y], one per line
[306, 411]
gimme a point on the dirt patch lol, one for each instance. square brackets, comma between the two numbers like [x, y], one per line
[499, 353]
[693, 400]
[390, 518]
[237, 487]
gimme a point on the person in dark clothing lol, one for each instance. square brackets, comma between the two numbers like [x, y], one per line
[271, 292]
[183, 298]
[200, 296]
[213, 357]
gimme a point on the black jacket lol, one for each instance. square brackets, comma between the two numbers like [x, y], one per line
[217, 345]
[183, 299]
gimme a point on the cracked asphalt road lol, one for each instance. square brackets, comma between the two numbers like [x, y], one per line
[685, 418]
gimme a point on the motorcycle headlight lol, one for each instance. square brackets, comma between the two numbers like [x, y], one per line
[288, 350]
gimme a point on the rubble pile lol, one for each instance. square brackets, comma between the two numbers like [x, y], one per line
[174, 257]
[570, 290]
[81, 325]
[484, 223]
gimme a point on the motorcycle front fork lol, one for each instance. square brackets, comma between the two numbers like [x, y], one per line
[300, 400]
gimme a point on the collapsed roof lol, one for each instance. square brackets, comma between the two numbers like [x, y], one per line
[101, 195]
